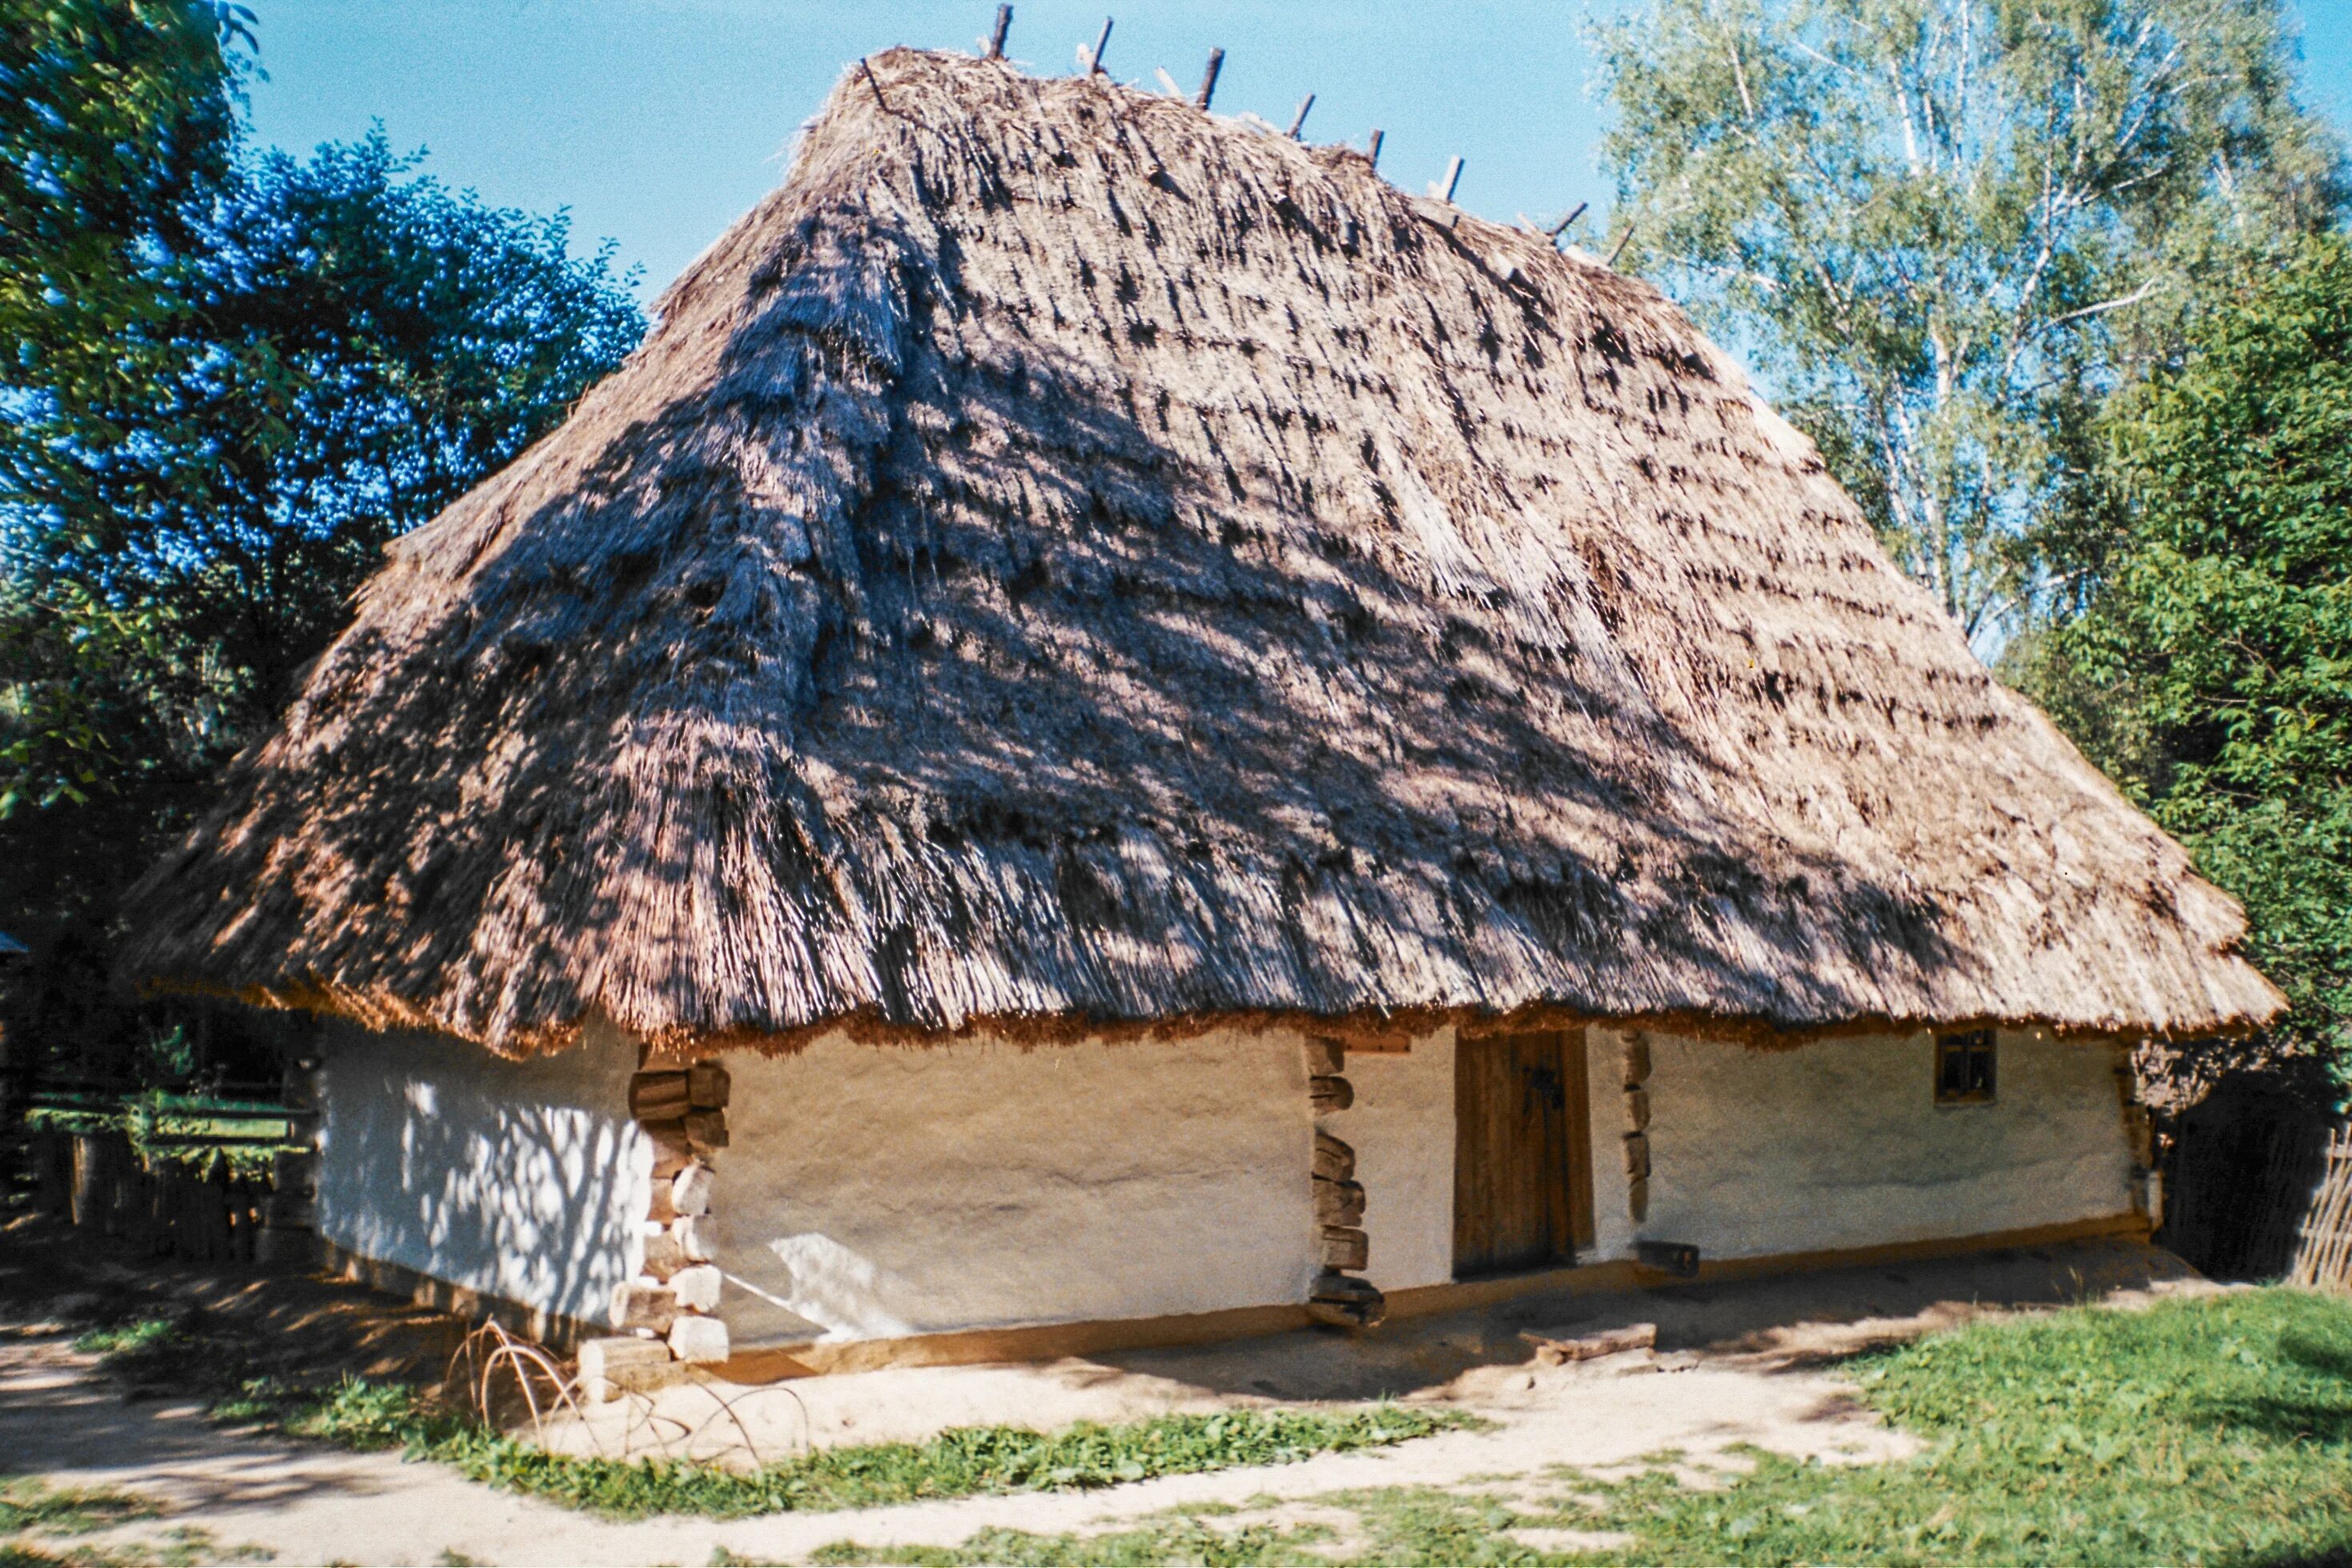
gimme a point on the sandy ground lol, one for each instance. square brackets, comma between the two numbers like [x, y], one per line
[1756, 1367]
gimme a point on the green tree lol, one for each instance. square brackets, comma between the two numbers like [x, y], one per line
[2210, 673]
[1946, 230]
[229, 377]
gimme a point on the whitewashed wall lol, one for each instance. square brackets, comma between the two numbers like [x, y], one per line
[519, 1180]
[873, 1192]
[1840, 1143]
[1402, 1128]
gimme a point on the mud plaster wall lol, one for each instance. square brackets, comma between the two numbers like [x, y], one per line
[519, 1180]
[876, 1192]
[1840, 1142]
[1402, 1128]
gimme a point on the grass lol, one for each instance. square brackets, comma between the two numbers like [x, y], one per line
[185, 1357]
[29, 1506]
[2209, 1431]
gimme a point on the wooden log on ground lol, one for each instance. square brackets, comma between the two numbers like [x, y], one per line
[658, 1096]
[641, 1304]
[611, 1366]
[1333, 1160]
[1556, 1347]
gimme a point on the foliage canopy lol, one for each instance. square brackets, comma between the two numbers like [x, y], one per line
[1945, 228]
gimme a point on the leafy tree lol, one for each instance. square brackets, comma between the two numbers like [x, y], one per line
[230, 377]
[2212, 672]
[1946, 230]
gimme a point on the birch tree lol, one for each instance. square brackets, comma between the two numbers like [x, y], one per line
[1943, 231]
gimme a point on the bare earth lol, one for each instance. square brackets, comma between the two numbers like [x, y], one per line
[1747, 1364]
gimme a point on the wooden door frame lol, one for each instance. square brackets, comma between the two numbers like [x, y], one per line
[1568, 1198]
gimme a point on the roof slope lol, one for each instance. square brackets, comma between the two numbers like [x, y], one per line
[1063, 555]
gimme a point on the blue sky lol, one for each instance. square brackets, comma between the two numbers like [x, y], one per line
[658, 121]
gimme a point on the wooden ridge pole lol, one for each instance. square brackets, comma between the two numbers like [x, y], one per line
[1209, 80]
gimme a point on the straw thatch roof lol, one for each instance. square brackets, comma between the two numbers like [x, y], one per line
[1066, 557]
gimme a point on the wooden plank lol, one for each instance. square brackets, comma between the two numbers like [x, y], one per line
[1556, 1347]
[1577, 1087]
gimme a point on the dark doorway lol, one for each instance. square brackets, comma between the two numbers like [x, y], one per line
[1522, 1150]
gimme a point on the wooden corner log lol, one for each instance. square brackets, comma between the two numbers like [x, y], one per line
[705, 1130]
[697, 1288]
[664, 1255]
[689, 1189]
[1327, 1093]
[1345, 1247]
[698, 1339]
[1326, 1057]
[1339, 1202]
[611, 1366]
[672, 1152]
[1344, 1301]
[708, 1086]
[643, 1304]
[1332, 1161]
[658, 1096]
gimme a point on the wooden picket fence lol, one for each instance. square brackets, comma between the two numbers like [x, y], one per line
[2323, 1258]
[203, 1211]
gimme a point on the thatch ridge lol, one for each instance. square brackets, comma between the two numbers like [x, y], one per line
[1065, 557]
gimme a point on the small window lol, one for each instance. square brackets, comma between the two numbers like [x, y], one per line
[1964, 1064]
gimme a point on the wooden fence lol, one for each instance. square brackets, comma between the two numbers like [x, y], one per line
[202, 1211]
[2323, 1256]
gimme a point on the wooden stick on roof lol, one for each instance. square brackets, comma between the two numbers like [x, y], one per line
[1373, 153]
[996, 38]
[1453, 178]
[1623, 240]
[1299, 118]
[1209, 79]
[874, 85]
[1102, 42]
[1561, 227]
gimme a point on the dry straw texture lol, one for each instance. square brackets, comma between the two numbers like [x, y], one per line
[1066, 557]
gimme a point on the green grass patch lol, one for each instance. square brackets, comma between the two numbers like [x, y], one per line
[29, 1504]
[2209, 1431]
[158, 1355]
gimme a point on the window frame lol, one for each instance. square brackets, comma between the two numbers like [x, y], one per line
[1975, 1046]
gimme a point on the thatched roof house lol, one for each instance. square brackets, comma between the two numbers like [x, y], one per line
[1069, 566]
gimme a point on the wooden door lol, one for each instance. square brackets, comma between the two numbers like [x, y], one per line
[1522, 1150]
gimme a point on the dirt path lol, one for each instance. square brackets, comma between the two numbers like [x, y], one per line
[1761, 1382]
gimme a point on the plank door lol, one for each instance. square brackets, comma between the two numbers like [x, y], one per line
[1522, 1150]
